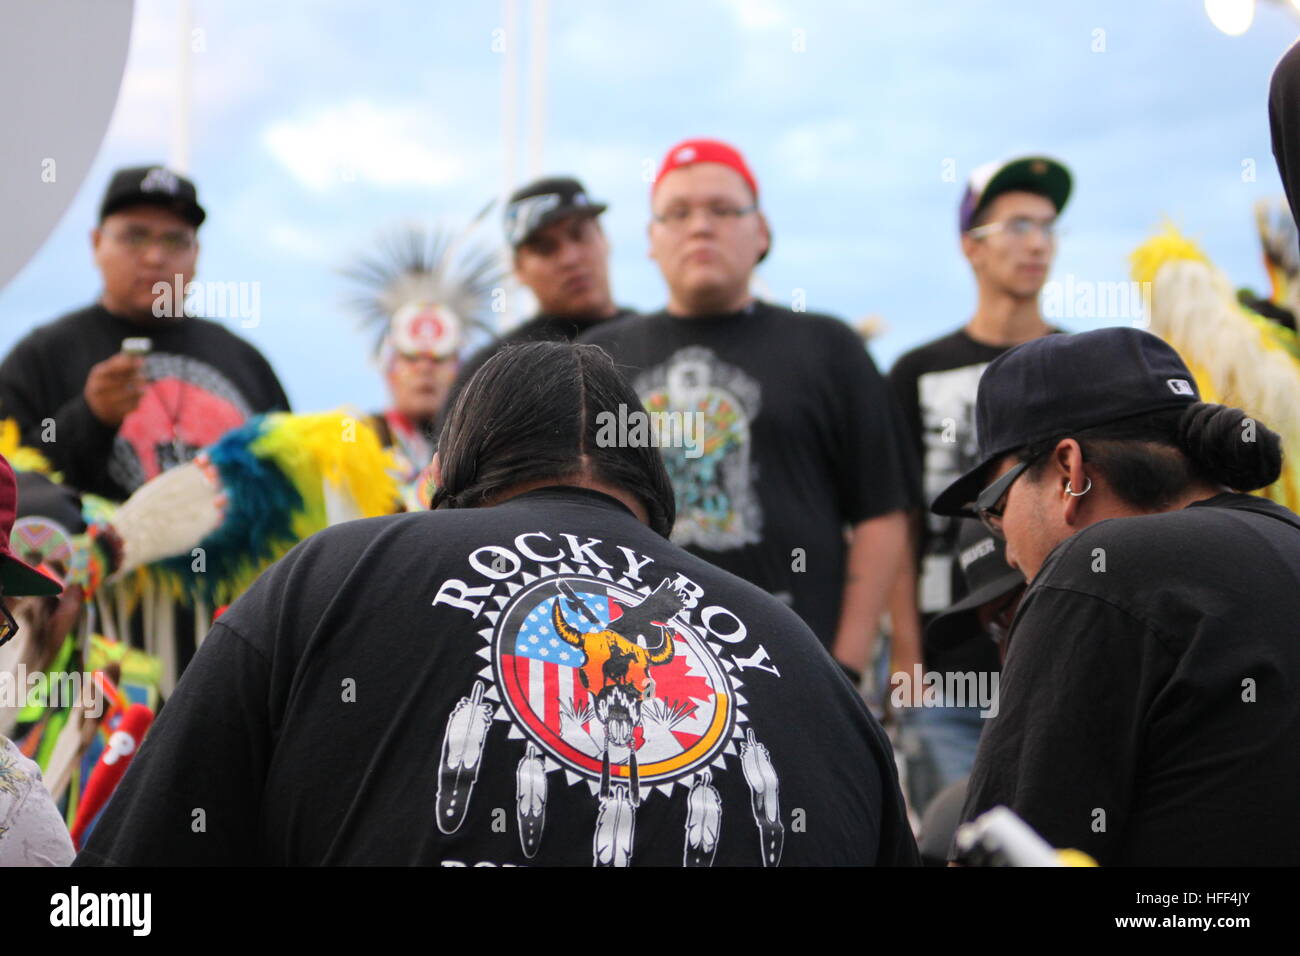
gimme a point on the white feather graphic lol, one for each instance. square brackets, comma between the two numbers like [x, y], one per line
[703, 822]
[763, 784]
[612, 844]
[530, 806]
[462, 749]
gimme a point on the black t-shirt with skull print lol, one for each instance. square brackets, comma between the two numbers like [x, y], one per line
[542, 682]
[789, 435]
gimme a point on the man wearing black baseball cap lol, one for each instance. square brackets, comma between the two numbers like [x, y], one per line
[561, 254]
[122, 390]
[1147, 712]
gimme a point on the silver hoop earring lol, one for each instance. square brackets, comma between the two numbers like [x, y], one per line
[1079, 494]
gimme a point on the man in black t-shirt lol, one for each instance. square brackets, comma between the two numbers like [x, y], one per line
[1006, 220]
[110, 419]
[1147, 710]
[562, 256]
[530, 674]
[798, 440]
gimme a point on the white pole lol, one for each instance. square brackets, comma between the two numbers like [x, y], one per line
[509, 94]
[509, 128]
[180, 158]
[537, 88]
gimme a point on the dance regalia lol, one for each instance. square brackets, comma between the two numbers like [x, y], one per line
[195, 536]
[1239, 355]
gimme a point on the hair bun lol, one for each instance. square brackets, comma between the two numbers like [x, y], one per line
[1228, 447]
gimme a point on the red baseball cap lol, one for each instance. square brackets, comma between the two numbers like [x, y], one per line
[16, 577]
[691, 151]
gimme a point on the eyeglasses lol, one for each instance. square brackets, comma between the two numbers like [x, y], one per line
[1021, 227]
[434, 357]
[676, 216]
[990, 503]
[172, 243]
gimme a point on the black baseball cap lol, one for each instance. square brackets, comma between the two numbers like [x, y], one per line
[152, 186]
[1062, 383]
[982, 558]
[1036, 174]
[543, 202]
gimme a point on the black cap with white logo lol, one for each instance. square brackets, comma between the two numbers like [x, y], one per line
[1061, 383]
[983, 561]
[543, 202]
[152, 186]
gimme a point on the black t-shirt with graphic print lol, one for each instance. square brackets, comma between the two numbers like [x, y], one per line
[1149, 712]
[800, 438]
[542, 682]
[203, 381]
[936, 384]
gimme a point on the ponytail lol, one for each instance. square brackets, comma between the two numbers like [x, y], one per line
[1227, 447]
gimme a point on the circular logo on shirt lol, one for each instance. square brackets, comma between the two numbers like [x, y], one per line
[610, 684]
[623, 685]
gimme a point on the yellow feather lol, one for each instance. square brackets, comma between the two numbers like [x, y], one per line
[23, 457]
[1236, 357]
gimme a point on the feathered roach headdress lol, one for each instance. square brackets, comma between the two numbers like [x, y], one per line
[1238, 356]
[423, 291]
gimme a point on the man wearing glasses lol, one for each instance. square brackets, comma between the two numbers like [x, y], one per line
[1007, 222]
[798, 476]
[124, 389]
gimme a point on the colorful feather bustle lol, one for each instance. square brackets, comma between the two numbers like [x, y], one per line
[1237, 356]
[271, 483]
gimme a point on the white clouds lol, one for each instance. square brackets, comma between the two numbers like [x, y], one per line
[222, 78]
[814, 151]
[357, 140]
[757, 14]
[301, 243]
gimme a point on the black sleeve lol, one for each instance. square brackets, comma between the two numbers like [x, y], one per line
[874, 466]
[1063, 749]
[79, 444]
[192, 794]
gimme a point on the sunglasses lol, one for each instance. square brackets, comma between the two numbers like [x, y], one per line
[991, 502]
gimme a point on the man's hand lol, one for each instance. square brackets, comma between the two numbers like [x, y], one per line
[114, 387]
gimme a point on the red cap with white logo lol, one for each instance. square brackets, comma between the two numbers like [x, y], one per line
[692, 151]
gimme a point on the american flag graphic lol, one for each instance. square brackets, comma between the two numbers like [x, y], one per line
[542, 680]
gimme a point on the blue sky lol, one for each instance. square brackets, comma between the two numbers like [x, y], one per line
[316, 126]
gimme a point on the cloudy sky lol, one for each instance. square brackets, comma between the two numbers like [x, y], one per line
[316, 126]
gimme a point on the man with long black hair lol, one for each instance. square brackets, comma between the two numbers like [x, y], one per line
[529, 674]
